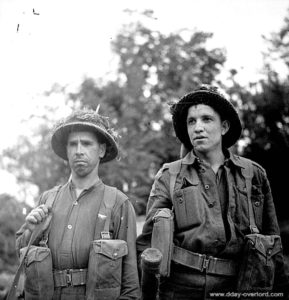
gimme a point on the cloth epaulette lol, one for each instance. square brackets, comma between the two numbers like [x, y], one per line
[121, 198]
[173, 167]
[161, 170]
[258, 166]
[246, 161]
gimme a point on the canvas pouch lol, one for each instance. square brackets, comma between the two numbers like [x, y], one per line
[38, 282]
[105, 269]
[162, 238]
[257, 267]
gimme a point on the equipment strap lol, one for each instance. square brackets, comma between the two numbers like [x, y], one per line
[174, 170]
[109, 199]
[248, 175]
[201, 262]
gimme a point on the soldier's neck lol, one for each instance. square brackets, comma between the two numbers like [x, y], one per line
[85, 182]
[214, 159]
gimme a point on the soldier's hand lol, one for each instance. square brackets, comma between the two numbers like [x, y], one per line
[36, 216]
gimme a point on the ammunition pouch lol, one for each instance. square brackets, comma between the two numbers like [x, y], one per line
[38, 282]
[105, 269]
[257, 269]
[162, 238]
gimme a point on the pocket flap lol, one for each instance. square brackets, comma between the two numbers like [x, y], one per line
[163, 213]
[267, 245]
[113, 249]
[187, 182]
[35, 254]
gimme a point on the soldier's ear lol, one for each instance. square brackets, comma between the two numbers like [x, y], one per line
[102, 148]
[225, 127]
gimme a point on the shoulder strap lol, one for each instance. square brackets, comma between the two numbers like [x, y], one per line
[109, 199]
[174, 170]
[248, 173]
[52, 194]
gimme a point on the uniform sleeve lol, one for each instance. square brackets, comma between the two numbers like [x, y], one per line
[124, 221]
[270, 222]
[159, 198]
[270, 226]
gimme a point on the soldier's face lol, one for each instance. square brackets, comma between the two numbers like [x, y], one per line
[205, 128]
[84, 152]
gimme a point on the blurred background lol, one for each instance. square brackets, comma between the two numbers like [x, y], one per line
[133, 59]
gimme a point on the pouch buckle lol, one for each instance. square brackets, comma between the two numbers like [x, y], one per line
[105, 235]
[43, 242]
[254, 229]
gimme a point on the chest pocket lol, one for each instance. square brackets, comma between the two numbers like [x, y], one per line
[257, 199]
[189, 211]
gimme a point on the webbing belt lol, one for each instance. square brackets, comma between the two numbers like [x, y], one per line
[69, 277]
[201, 262]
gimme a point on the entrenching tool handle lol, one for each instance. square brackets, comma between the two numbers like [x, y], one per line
[150, 264]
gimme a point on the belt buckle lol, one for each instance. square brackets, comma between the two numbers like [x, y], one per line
[68, 278]
[205, 263]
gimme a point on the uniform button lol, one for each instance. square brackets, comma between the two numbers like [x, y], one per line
[69, 226]
[211, 205]
[269, 252]
[257, 203]
[207, 186]
[181, 200]
[75, 203]
[203, 170]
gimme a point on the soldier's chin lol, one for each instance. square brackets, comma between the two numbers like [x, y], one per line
[81, 172]
[199, 148]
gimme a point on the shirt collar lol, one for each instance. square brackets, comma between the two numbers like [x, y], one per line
[72, 185]
[237, 161]
[191, 158]
[233, 159]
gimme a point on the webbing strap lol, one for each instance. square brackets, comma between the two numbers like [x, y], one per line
[109, 199]
[174, 170]
[49, 203]
[248, 175]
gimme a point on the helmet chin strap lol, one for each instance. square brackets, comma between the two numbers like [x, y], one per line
[183, 151]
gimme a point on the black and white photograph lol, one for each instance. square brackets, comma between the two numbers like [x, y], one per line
[144, 149]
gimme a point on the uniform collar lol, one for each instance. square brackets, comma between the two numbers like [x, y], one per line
[72, 185]
[233, 159]
[191, 158]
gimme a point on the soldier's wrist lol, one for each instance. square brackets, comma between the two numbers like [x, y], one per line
[28, 227]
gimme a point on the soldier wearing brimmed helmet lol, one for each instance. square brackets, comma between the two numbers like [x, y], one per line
[207, 192]
[91, 230]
